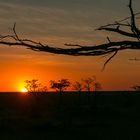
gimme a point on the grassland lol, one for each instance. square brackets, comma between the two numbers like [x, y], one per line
[43, 116]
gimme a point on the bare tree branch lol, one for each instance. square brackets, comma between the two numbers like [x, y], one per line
[111, 48]
[109, 59]
[134, 28]
[117, 30]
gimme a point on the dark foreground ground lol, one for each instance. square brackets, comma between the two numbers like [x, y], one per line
[49, 116]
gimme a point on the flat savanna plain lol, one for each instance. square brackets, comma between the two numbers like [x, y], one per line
[98, 115]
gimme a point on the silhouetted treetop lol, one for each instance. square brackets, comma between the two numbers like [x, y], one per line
[60, 85]
[126, 27]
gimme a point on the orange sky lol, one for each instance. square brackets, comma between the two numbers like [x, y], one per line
[118, 75]
[57, 24]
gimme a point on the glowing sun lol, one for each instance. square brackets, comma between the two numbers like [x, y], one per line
[24, 90]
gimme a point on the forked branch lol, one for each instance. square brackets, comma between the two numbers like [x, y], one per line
[111, 47]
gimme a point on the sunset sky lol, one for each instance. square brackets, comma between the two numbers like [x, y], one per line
[55, 22]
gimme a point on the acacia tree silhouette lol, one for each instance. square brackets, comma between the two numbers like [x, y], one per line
[126, 27]
[61, 85]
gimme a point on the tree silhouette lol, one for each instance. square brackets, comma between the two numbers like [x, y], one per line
[43, 89]
[32, 85]
[60, 85]
[78, 86]
[126, 27]
[97, 86]
[89, 83]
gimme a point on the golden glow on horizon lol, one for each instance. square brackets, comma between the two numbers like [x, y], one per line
[24, 90]
[15, 73]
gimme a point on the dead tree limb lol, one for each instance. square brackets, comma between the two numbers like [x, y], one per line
[111, 48]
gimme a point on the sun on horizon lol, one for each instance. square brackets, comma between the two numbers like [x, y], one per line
[24, 90]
